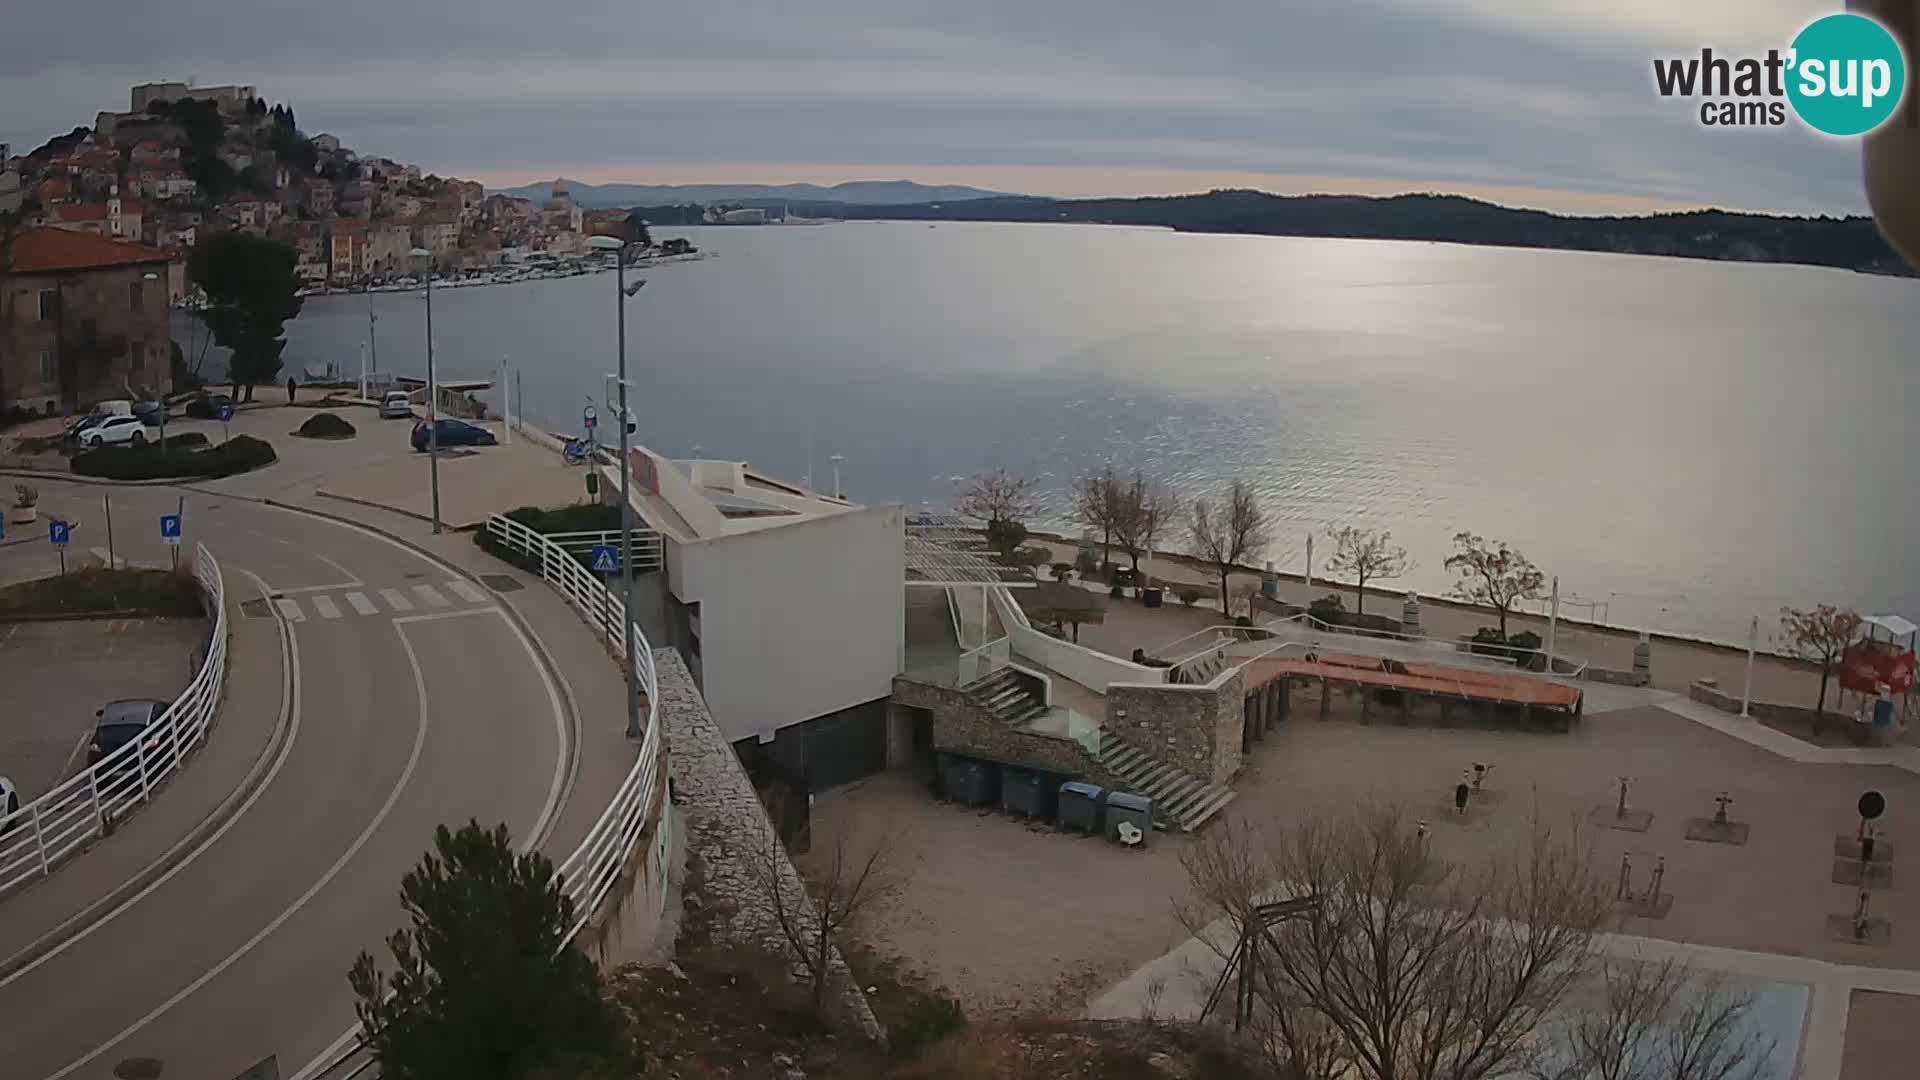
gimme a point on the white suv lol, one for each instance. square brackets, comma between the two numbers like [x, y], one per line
[116, 429]
[395, 406]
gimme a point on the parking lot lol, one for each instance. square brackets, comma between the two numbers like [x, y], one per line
[58, 673]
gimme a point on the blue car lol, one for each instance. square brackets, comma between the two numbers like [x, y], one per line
[453, 433]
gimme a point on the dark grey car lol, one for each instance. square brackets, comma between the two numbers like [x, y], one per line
[120, 722]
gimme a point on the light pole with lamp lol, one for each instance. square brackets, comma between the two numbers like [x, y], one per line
[433, 394]
[622, 294]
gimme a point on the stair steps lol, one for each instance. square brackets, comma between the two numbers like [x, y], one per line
[1179, 797]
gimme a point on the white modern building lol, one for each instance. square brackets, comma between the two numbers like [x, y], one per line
[788, 604]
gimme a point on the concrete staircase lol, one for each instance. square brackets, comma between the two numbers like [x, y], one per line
[1201, 669]
[1010, 696]
[1179, 797]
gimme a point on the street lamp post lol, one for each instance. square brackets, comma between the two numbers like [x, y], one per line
[433, 395]
[621, 294]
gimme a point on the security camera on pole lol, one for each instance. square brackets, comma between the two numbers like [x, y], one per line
[622, 293]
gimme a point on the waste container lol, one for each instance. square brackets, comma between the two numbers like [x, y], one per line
[1150, 597]
[1080, 806]
[968, 781]
[1129, 809]
[1022, 791]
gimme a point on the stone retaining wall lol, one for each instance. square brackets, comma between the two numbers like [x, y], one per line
[1194, 728]
[1708, 692]
[1620, 678]
[726, 826]
[961, 725]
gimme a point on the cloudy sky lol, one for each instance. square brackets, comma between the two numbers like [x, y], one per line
[1533, 102]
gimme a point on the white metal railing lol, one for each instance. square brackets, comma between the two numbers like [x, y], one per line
[36, 837]
[1384, 643]
[648, 551]
[589, 873]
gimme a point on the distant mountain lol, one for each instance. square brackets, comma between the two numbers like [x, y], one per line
[861, 192]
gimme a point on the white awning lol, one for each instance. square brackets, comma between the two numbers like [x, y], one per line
[1892, 624]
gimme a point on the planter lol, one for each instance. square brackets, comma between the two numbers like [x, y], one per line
[1117, 591]
[1150, 597]
[23, 515]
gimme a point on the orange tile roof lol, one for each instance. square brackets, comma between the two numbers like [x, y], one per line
[46, 250]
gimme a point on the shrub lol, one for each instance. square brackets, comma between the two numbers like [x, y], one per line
[1525, 639]
[148, 592]
[1329, 609]
[1086, 563]
[928, 1019]
[326, 425]
[239, 454]
[1006, 537]
[1189, 597]
[186, 440]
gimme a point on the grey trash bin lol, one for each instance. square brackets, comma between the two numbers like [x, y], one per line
[1135, 810]
[967, 781]
[1022, 792]
[1080, 804]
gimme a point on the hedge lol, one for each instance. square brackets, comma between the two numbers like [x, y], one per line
[237, 455]
[326, 426]
[148, 592]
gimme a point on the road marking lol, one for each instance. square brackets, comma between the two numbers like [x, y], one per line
[234, 957]
[290, 609]
[361, 604]
[290, 714]
[467, 591]
[115, 562]
[395, 600]
[325, 606]
[431, 596]
[335, 587]
[352, 579]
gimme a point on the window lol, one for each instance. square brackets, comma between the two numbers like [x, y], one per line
[137, 356]
[49, 305]
[136, 295]
[49, 370]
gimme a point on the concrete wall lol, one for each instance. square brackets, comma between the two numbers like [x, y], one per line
[1094, 670]
[1708, 692]
[1196, 728]
[726, 827]
[962, 726]
[798, 620]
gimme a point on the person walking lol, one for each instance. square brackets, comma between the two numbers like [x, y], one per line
[290, 389]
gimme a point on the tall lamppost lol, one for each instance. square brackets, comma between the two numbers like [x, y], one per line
[622, 293]
[433, 394]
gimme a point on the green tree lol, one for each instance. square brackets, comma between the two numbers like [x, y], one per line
[485, 985]
[251, 289]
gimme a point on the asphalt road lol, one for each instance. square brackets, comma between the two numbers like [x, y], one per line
[415, 702]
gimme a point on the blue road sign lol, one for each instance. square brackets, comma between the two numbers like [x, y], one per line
[606, 559]
[170, 528]
[3, 526]
[57, 533]
[589, 418]
[226, 413]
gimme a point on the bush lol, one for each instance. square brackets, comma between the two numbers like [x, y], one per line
[927, 1019]
[1189, 597]
[239, 454]
[148, 592]
[326, 425]
[1329, 609]
[1086, 563]
[1525, 640]
[1006, 537]
[186, 440]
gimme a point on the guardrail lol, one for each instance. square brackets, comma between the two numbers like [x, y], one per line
[1442, 650]
[648, 552]
[86, 806]
[589, 873]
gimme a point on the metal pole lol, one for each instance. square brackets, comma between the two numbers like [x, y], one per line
[363, 371]
[373, 343]
[433, 410]
[106, 501]
[1553, 623]
[1309, 571]
[518, 394]
[626, 501]
[1753, 642]
[506, 400]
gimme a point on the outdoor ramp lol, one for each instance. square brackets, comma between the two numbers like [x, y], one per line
[1435, 679]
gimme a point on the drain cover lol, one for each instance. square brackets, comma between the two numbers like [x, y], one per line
[254, 609]
[138, 1069]
[501, 582]
[410, 577]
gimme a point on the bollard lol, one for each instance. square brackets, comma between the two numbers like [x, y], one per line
[1643, 656]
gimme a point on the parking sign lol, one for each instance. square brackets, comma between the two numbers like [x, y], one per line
[57, 533]
[170, 528]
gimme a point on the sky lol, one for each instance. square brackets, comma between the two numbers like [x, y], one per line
[1545, 103]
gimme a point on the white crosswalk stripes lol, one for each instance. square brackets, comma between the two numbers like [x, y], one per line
[431, 596]
[392, 600]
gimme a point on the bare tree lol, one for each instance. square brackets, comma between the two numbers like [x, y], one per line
[1096, 503]
[811, 915]
[1493, 574]
[1655, 1021]
[1227, 534]
[1142, 509]
[1408, 970]
[1821, 635]
[1003, 501]
[1365, 555]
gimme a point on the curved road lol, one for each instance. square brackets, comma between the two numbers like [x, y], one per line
[413, 700]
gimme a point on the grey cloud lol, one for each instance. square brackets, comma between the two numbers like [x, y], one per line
[1428, 93]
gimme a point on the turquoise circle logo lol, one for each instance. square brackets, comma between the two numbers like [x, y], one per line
[1848, 74]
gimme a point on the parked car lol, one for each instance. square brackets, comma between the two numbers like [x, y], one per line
[116, 429]
[395, 406]
[9, 804]
[453, 433]
[208, 406]
[148, 411]
[121, 722]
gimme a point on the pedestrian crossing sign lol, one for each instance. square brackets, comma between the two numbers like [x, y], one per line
[605, 560]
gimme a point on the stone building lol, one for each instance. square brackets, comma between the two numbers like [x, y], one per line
[82, 318]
